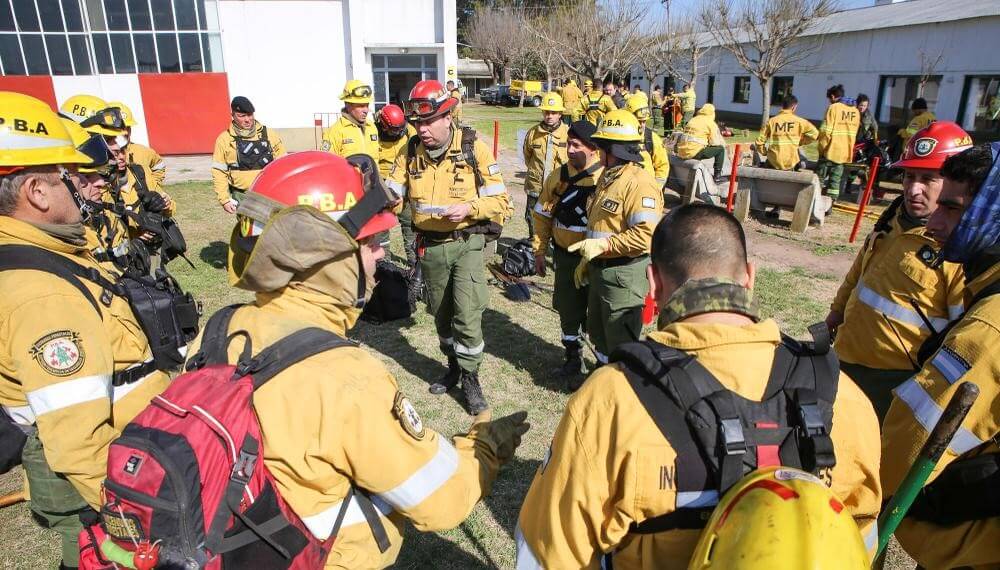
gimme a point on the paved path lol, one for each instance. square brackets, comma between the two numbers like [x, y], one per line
[188, 168]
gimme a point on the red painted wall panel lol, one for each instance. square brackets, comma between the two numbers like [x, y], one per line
[39, 86]
[184, 112]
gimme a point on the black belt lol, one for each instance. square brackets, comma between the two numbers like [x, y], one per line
[134, 374]
[618, 261]
[464, 233]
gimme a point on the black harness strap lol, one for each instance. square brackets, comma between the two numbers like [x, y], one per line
[30, 257]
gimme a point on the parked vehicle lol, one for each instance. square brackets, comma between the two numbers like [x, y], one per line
[533, 91]
[495, 95]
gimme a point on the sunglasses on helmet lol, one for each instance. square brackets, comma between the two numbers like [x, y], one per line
[110, 118]
[361, 91]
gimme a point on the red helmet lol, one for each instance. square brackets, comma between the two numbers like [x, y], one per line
[428, 99]
[931, 145]
[391, 117]
[326, 182]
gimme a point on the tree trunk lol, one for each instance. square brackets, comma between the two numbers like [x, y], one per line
[524, 86]
[506, 75]
[765, 98]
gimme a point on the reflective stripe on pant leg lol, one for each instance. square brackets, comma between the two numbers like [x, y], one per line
[469, 297]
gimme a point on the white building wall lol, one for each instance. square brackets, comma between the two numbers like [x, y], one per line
[124, 88]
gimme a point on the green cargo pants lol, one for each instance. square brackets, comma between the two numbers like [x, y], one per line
[686, 117]
[618, 289]
[717, 154]
[55, 503]
[409, 236]
[528, 218]
[567, 300]
[455, 277]
[657, 120]
[876, 384]
[829, 177]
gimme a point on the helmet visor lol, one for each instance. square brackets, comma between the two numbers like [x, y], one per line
[421, 107]
[362, 91]
[110, 118]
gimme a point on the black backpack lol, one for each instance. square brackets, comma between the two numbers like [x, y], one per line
[391, 299]
[518, 259]
[253, 155]
[718, 435]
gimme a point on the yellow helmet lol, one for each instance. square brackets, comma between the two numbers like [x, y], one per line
[571, 82]
[91, 145]
[588, 83]
[126, 112]
[552, 101]
[638, 105]
[619, 126]
[32, 134]
[780, 518]
[94, 115]
[356, 91]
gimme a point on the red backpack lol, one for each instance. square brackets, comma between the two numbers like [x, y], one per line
[187, 486]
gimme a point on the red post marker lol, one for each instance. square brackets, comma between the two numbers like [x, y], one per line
[872, 175]
[496, 138]
[732, 180]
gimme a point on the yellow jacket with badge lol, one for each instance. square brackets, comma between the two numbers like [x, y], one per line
[968, 354]
[699, 132]
[625, 209]
[838, 133]
[432, 186]
[57, 359]
[917, 123]
[604, 468]
[783, 134]
[595, 105]
[225, 161]
[150, 160]
[546, 227]
[544, 151]
[338, 418]
[656, 163]
[389, 150]
[571, 95]
[881, 329]
[346, 137]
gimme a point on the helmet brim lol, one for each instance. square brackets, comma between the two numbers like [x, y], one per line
[380, 222]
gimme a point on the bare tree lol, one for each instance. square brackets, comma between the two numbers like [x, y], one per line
[765, 36]
[688, 47]
[492, 33]
[928, 65]
[653, 58]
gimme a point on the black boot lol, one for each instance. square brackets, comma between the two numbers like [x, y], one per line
[474, 400]
[449, 380]
[574, 363]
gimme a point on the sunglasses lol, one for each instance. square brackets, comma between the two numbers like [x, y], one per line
[110, 118]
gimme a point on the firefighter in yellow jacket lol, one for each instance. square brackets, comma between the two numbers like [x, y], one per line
[459, 201]
[595, 104]
[561, 219]
[654, 154]
[897, 293]
[784, 135]
[73, 370]
[921, 118]
[353, 426]
[571, 95]
[836, 140]
[702, 139]
[140, 153]
[544, 151]
[621, 215]
[394, 133]
[955, 521]
[611, 470]
[455, 92]
[353, 132]
[241, 152]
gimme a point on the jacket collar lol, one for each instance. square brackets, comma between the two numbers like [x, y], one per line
[14, 230]
[313, 309]
[699, 336]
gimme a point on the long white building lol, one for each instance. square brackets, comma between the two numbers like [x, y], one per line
[177, 63]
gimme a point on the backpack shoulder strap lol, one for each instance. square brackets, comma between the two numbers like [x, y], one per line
[648, 142]
[469, 151]
[884, 222]
[215, 339]
[263, 133]
[31, 257]
[294, 348]
[564, 177]
[141, 188]
[582, 174]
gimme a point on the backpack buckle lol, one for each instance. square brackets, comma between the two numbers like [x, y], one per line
[733, 440]
[243, 469]
[812, 420]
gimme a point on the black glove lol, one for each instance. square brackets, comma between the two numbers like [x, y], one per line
[153, 202]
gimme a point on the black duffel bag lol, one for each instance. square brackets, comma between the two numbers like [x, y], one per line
[391, 299]
[519, 259]
[12, 440]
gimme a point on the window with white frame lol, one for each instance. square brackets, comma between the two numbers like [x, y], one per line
[83, 37]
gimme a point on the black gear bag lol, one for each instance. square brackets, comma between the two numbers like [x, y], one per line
[518, 259]
[12, 440]
[391, 299]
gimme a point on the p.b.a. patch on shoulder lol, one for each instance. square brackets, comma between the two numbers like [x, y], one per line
[610, 205]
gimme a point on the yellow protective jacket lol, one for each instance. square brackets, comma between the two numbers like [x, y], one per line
[656, 163]
[969, 354]
[556, 186]
[456, 113]
[346, 137]
[916, 123]
[149, 159]
[595, 105]
[688, 99]
[389, 150]
[339, 418]
[838, 132]
[225, 162]
[544, 151]
[656, 100]
[431, 186]
[783, 134]
[625, 209]
[699, 132]
[57, 357]
[604, 469]
[881, 329]
[571, 95]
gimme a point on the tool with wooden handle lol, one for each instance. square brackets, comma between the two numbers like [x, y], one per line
[12, 499]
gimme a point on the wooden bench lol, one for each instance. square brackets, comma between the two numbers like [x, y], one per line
[760, 188]
[693, 180]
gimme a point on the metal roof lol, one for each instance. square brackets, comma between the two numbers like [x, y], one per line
[909, 13]
[474, 68]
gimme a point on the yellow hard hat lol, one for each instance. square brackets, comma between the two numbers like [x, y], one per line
[571, 82]
[126, 112]
[91, 145]
[32, 134]
[588, 83]
[638, 105]
[619, 126]
[94, 115]
[780, 518]
[552, 101]
[356, 91]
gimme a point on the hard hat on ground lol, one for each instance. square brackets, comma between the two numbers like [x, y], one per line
[90, 144]
[391, 118]
[932, 145]
[428, 100]
[638, 105]
[552, 101]
[126, 112]
[780, 518]
[356, 91]
[32, 134]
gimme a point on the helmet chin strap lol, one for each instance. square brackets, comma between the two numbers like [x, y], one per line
[85, 207]
[362, 282]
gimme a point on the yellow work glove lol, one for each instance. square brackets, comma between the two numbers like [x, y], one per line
[502, 435]
[590, 248]
[580, 278]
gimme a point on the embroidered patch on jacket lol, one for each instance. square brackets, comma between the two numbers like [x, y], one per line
[610, 206]
[326, 146]
[408, 416]
[348, 141]
[59, 353]
[648, 203]
[493, 169]
[374, 137]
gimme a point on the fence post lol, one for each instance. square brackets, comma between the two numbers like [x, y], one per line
[872, 175]
[732, 179]
[496, 138]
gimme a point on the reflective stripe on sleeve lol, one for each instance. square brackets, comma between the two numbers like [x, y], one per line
[640, 217]
[22, 415]
[220, 166]
[525, 557]
[591, 234]
[158, 166]
[492, 190]
[119, 392]
[321, 524]
[871, 537]
[469, 350]
[894, 311]
[55, 397]
[949, 365]
[396, 188]
[541, 211]
[927, 413]
[696, 499]
[577, 229]
[426, 480]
